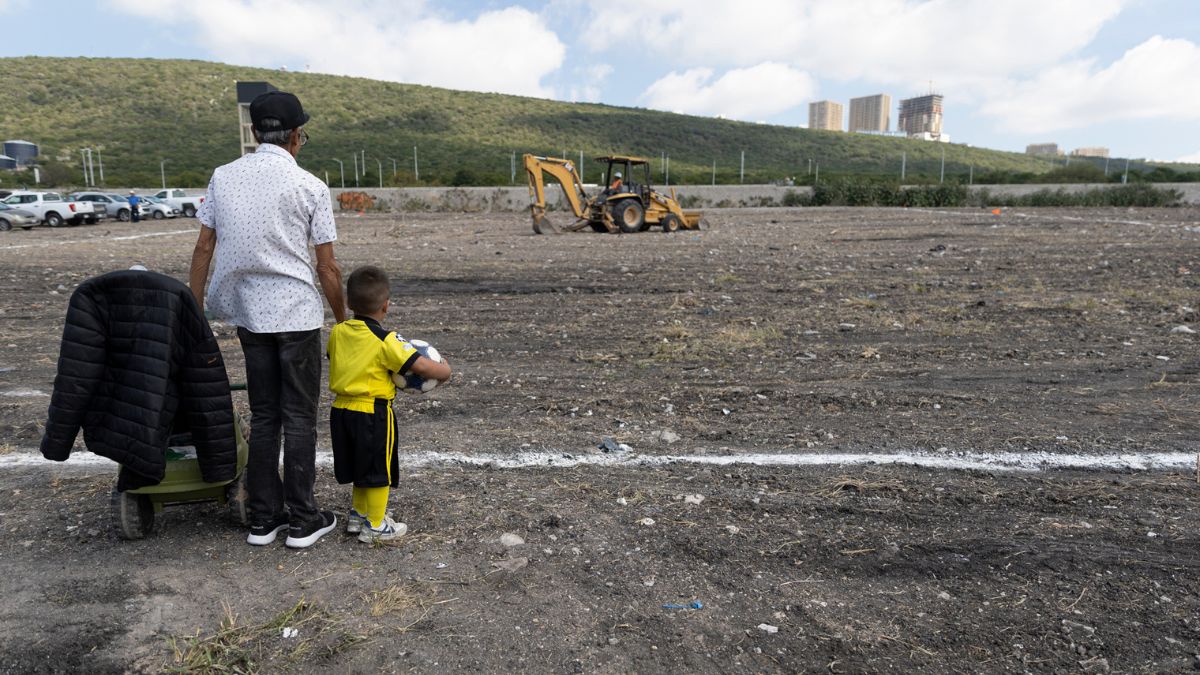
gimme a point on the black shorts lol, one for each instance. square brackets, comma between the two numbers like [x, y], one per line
[364, 446]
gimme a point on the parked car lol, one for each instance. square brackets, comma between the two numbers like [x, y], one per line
[155, 208]
[116, 205]
[180, 199]
[53, 209]
[11, 217]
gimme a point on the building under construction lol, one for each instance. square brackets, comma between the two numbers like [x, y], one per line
[921, 115]
[246, 92]
[1043, 149]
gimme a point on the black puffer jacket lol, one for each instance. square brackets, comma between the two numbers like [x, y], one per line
[136, 354]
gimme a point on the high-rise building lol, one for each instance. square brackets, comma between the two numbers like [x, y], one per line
[921, 115]
[871, 113]
[825, 115]
[1043, 149]
[1090, 152]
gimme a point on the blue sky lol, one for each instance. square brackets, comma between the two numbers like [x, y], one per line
[1118, 73]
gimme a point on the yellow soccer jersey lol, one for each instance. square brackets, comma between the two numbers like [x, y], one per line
[362, 357]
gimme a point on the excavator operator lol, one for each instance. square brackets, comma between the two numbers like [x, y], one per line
[615, 186]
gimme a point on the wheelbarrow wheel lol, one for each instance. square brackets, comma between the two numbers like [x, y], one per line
[236, 500]
[132, 515]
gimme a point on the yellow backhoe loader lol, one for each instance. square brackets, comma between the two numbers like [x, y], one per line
[624, 206]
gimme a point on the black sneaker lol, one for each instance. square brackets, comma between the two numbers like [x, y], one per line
[303, 536]
[263, 534]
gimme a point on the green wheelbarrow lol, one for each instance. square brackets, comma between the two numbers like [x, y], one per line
[133, 511]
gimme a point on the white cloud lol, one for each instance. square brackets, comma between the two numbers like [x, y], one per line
[1158, 79]
[954, 43]
[744, 93]
[1193, 158]
[506, 50]
[12, 5]
[590, 83]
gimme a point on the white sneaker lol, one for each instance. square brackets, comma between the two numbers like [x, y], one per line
[388, 530]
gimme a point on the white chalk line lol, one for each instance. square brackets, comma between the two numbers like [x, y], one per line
[953, 461]
[98, 238]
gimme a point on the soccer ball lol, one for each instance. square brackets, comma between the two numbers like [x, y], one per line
[413, 383]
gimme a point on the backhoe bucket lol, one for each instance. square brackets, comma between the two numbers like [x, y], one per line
[542, 224]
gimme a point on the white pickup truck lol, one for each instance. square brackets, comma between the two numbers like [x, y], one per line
[52, 208]
[180, 199]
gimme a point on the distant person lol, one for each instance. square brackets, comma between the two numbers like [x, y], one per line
[261, 214]
[362, 356]
[615, 186]
[135, 211]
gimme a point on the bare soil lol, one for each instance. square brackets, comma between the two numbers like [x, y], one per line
[769, 331]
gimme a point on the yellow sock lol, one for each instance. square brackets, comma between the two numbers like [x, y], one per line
[359, 500]
[376, 504]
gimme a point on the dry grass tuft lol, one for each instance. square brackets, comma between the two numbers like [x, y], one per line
[232, 648]
[845, 484]
[747, 337]
[392, 600]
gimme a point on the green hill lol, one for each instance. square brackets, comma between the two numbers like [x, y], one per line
[142, 111]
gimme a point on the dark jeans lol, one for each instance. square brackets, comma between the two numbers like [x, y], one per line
[134, 214]
[283, 379]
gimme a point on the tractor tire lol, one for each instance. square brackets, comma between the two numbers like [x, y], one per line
[629, 215]
[132, 515]
[670, 223]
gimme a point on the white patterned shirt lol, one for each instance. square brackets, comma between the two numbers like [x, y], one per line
[266, 211]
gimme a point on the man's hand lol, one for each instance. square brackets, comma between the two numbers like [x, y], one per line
[330, 276]
[201, 259]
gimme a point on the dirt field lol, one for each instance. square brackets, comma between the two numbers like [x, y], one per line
[953, 336]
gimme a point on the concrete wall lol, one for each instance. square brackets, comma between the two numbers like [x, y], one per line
[488, 199]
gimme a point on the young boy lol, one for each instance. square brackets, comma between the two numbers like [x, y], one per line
[362, 357]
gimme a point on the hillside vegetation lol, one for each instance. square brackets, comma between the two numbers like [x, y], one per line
[139, 112]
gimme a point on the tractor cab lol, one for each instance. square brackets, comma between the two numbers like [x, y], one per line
[635, 177]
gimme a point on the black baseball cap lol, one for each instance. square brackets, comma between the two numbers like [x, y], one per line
[279, 105]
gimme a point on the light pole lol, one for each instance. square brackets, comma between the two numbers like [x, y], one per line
[942, 176]
[100, 156]
[162, 172]
[355, 169]
[341, 170]
[380, 163]
[416, 167]
[83, 163]
[393, 166]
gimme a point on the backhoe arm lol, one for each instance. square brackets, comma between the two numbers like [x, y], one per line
[564, 172]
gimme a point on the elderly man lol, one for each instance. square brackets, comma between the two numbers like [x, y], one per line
[261, 214]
